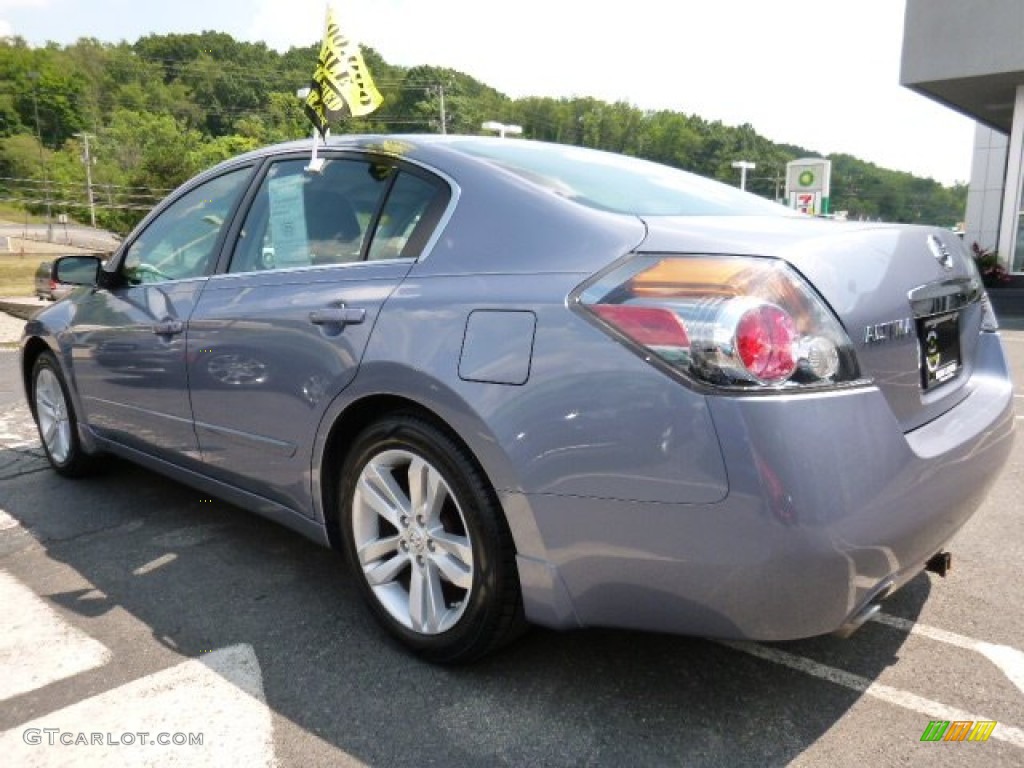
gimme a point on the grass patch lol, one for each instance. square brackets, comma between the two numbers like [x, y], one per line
[17, 273]
[15, 215]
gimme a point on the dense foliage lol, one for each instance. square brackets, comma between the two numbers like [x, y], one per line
[160, 109]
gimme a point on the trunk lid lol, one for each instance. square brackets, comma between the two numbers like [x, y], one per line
[908, 296]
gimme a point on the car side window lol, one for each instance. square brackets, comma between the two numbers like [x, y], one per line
[180, 242]
[406, 212]
[300, 218]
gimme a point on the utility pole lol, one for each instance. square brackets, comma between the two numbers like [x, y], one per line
[444, 117]
[87, 159]
[439, 90]
[34, 77]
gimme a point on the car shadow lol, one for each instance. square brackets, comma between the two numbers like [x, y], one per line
[201, 575]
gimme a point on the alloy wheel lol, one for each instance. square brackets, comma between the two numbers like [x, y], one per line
[52, 413]
[412, 542]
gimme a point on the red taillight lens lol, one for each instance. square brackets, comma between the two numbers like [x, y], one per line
[766, 341]
[650, 326]
[725, 321]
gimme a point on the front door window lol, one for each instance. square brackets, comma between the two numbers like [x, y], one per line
[182, 241]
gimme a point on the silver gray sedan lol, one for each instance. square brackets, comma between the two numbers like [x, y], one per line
[517, 382]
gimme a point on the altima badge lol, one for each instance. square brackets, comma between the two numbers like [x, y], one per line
[894, 329]
[940, 252]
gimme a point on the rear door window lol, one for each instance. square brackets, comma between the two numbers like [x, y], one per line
[301, 219]
[410, 214]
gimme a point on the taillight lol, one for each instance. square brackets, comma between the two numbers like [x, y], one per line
[988, 315]
[650, 326]
[736, 322]
[989, 322]
[766, 341]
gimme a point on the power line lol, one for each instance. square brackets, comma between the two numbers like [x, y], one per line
[73, 204]
[29, 180]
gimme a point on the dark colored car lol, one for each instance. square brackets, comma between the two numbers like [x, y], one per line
[520, 382]
[46, 286]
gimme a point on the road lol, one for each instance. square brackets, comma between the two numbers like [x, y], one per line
[79, 236]
[134, 606]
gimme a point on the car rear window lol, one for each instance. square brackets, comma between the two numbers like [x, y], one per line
[618, 183]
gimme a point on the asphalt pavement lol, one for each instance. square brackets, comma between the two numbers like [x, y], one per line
[135, 608]
[10, 328]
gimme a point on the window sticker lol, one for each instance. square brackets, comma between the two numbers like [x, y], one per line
[287, 234]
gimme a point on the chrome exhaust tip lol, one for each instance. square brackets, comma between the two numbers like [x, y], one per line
[858, 621]
[870, 609]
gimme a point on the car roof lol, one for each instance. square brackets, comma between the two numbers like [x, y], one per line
[421, 147]
[597, 179]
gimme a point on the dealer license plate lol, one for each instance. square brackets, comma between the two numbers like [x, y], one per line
[939, 337]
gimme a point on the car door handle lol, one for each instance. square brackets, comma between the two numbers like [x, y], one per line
[168, 327]
[340, 316]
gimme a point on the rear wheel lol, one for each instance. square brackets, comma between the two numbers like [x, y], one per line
[426, 538]
[56, 419]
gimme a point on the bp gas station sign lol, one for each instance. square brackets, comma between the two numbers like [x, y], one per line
[807, 185]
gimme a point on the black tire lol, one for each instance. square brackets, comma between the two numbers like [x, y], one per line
[56, 419]
[476, 605]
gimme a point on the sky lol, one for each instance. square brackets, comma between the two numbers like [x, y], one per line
[823, 75]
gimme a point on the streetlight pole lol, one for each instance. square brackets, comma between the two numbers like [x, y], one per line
[744, 166]
[501, 129]
[87, 159]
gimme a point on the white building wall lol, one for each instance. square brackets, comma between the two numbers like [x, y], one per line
[985, 194]
[1011, 233]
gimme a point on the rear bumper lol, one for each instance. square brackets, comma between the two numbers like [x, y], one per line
[829, 505]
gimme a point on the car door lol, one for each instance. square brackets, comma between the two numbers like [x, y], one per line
[129, 340]
[280, 333]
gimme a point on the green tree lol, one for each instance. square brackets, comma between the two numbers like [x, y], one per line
[165, 106]
[667, 137]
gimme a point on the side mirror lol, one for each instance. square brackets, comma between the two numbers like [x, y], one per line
[77, 270]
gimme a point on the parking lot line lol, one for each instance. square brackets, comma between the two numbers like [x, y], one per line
[900, 698]
[209, 711]
[37, 647]
[1009, 660]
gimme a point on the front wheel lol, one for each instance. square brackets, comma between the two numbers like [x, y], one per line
[56, 419]
[425, 535]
